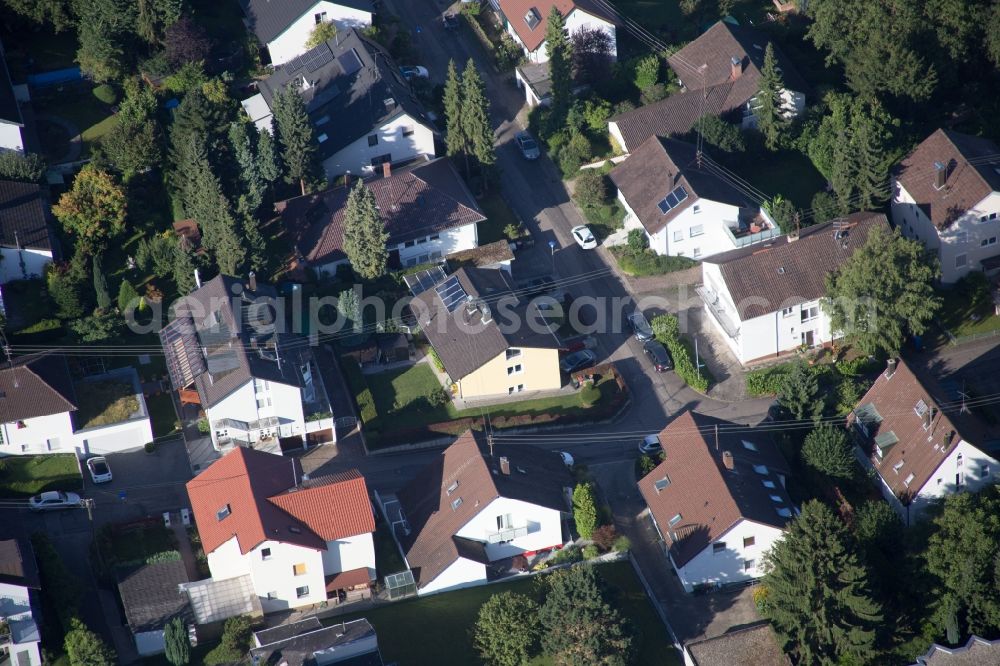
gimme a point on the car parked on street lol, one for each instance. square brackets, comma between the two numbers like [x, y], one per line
[450, 20]
[658, 355]
[650, 445]
[567, 458]
[577, 360]
[640, 326]
[527, 145]
[411, 72]
[583, 237]
[53, 500]
[100, 471]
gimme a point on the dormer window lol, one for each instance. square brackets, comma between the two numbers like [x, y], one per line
[661, 483]
[749, 446]
[760, 469]
[455, 503]
[223, 513]
[676, 519]
[453, 487]
[532, 18]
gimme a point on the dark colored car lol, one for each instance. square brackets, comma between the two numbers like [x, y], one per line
[536, 287]
[581, 359]
[450, 20]
[640, 326]
[659, 355]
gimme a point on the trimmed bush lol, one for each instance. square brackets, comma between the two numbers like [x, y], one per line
[621, 544]
[647, 262]
[766, 381]
[105, 94]
[590, 552]
[568, 555]
[590, 395]
[584, 510]
[667, 330]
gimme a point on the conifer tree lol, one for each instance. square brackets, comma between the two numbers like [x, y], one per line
[768, 103]
[127, 296]
[476, 119]
[560, 52]
[256, 245]
[101, 284]
[268, 160]
[183, 269]
[453, 93]
[251, 180]
[177, 647]
[870, 176]
[296, 138]
[364, 234]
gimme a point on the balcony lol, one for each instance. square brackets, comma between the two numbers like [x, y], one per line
[506, 535]
[718, 310]
[742, 234]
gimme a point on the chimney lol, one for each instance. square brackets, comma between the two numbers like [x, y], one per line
[197, 279]
[940, 175]
[504, 466]
[347, 180]
[727, 460]
[386, 169]
[736, 68]
[253, 281]
[890, 368]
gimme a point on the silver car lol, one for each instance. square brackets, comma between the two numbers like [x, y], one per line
[54, 499]
[527, 145]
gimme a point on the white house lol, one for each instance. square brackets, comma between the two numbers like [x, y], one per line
[474, 506]
[683, 208]
[26, 243]
[765, 300]
[946, 194]
[284, 27]
[300, 541]
[717, 500]
[46, 411]
[257, 392]
[527, 20]
[12, 133]
[719, 73]
[364, 112]
[20, 638]
[919, 452]
[427, 209]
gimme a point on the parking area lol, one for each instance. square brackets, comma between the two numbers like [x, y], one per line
[143, 483]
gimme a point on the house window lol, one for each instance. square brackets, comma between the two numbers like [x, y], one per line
[504, 522]
[408, 130]
[302, 591]
[453, 487]
[958, 462]
[718, 547]
[299, 569]
[697, 252]
[960, 261]
[986, 242]
[808, 314]
[511, 390]
[372, 140]
[223, 512]
[696, 209]
[513, 353]
[678, 236]
[787, 312]
[514, 369]
[455, 503]
[676, 519]
[749, 541]
[696, 230]
[320, 17]
[748, 565]
[265, 553]
[433, 237]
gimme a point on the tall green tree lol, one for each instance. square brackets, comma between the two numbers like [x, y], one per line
[827, 450]
[476, 120]
[883, 292]
[800, 395]
[127, 296]
[256, 245]
[268, 160]
[580, 628]
[251, 178]
[177, 647]
[57, 14]
[768, 103]
[101, 293]
[154, 17]
[85, 648]
[871, 175]
[455, 138]
[211, 210]
[818, 591]
[507, 629]
[199, 124]
[296, 138]
[106, 32]
[560, 52]
[183, 269]
[365, 236]
[93, 210]
[584, 509]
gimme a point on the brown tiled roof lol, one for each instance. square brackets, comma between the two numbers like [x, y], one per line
[757, 645]
[254, 485]
[483, 256]
[658, 167]
[976, 652]
[36, 385]
[423, 200]
[515, 11]
[150, 594]
[431, 546]
[347, 579]
[17, 564]
[23, 216]
[780, 273]
[895, 399]
[709, 498]
[671, 116]
[966, 183]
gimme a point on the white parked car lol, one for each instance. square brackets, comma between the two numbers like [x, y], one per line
[100, 471]
[54, 499]
[583, 237]
[410, 72]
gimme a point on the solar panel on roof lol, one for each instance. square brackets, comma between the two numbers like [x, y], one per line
[676, 196]
[294, 64]
[420, 282]
[349, 62]
[321, 57]
[451, 293]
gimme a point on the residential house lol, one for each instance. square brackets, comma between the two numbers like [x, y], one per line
[363, 111]
[718, 500]
[298, 541]
[490, 342]
[12, 129]
[920, 450]
[152, 596]
[307, 642]
[756, 644]
[976, 650]
[765, 300]
[43, 410]
[683, 205]
[229, 351]
[20, 619]
[427, 209]
[946, 194]
[719, 73]
[492, 255]
[462, 518]
[527, 20]
[285, 27]
[26, 244]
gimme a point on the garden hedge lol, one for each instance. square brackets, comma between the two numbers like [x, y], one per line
[667, 330]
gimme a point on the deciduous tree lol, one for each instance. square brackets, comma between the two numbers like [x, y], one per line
[592, 55]
[58, 14]
[85, 648]
[186, 42]
[93, 210]
[322, 33]
[365, 236]
[507, 630]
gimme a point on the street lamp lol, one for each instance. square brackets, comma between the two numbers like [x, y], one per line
[552, 250]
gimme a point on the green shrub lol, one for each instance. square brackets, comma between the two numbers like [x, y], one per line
[41, 326]
[165, 556]
[622, 544]
[512, 231]
[105, 94]
[584, 510]
[591, 188]
[667, 330]
[590, 395]
[590, 552]
[235, 642]
[647, 262]
[638, 241]
[149, 447]
[359, 387]
[766, 381]
[436, 360]
[438, 397]
[203, 426]
[644, 464]
[856, 366]
[567, 555]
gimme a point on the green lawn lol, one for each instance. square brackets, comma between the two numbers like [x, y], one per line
[962, 315]
[787, 172]
[104, 402]
[162, 415]
[387, 557]
[23, 476]
[498, 216]
[91, 117]
[437, 629]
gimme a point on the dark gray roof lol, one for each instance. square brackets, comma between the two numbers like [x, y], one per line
[36, 385]
[17, 564]
[466, 340]
[223, 347]
[10, 111]
[23, 216]
[270, 18]
[296, 643]
[347, 93]
[151, 596]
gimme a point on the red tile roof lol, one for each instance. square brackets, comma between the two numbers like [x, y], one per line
[347, 579]
[516, 10]
[254, 486]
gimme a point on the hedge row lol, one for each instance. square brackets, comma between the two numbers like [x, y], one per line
[767, 381]
[667, 330]
[646, 262]
[359, 388]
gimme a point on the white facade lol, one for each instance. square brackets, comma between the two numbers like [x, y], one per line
[354, 552]
[401, 139]
[11, 136]
[34, 262]
[461, 573]
[292, 42]
[54, 433]
[576, 21]
[512, 527]
[972, 237]
[15, 608]
[252, 402]
[423, 250]
[792, 104]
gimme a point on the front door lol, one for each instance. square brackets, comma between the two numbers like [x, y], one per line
[809, 338]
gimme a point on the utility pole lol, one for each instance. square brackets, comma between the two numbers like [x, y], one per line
[88, 504]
